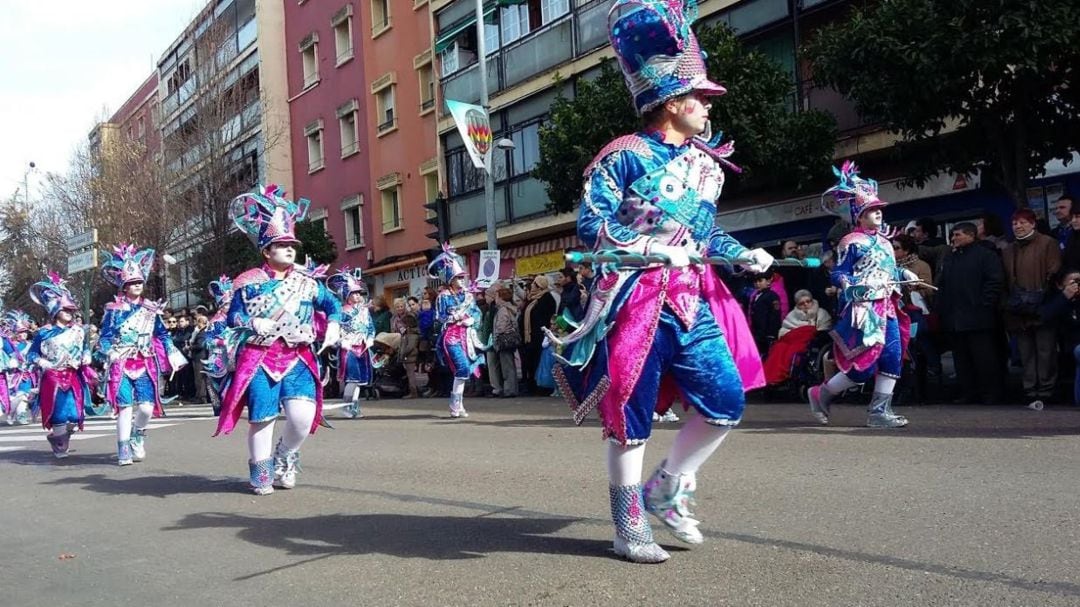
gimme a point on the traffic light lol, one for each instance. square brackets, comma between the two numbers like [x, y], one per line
[440, 218]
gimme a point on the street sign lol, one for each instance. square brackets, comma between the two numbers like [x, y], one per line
[87, 260]
[81, 241]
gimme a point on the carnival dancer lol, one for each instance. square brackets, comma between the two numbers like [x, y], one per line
[871, 334]
[651, 334]
[273, 308]
[59, 350]
[357, 335]
[20, 375]
[216, 365]
[456, 311]
[135, 348]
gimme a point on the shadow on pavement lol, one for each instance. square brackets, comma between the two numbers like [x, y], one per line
[407, 536]
[152, 486]
[44, 457]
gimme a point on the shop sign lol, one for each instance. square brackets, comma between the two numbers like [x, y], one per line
[540, 264]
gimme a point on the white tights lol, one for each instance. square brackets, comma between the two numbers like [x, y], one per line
[59, 430]
[696, 441]
[142, 413]
[840, 383]
[299, 415]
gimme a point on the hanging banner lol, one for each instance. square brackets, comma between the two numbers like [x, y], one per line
[475, 130]
[489, 268]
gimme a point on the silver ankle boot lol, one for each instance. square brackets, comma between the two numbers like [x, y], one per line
[880, 414]
[633, 535]
[820, 398]
[261, 474]
[669, 497]
[286, 465]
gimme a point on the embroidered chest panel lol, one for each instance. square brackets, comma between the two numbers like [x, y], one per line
[64, 348]
[677, 197]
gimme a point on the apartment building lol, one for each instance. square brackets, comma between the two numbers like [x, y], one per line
[224, 118]
[330, 120]
[532, 44]
[400, 87]
[136, 119]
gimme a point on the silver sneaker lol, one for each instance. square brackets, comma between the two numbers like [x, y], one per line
[880, 414]
[669, 497]
[820, 399]
[633, 535]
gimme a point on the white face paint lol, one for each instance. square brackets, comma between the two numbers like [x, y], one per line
[134, 290]
[458, 282]
[871, 219]
[64, 317]
[693, 114]
[281, 255]
[356, 298]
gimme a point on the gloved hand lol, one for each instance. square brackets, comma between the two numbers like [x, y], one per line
[113, 356]
[333, 335]
[86, 360]
[908, 274]
[761, 261]
[12, 363]
[262, 326]
[44, 364]
[678, 257]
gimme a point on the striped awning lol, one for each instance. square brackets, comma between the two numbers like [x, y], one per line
[544, 246]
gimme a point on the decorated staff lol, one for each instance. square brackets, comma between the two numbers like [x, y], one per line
[273, 310]
[658, 332]
[137, 349]
[59, 351]
[871, 334]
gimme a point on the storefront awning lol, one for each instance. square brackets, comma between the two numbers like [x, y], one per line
[560, 243]
[397, 265]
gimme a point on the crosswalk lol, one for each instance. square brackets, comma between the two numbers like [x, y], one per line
[32, 437]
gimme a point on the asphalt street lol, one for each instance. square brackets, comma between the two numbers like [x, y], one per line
[967, 506]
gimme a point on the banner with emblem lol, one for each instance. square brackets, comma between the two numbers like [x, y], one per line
[474, 127]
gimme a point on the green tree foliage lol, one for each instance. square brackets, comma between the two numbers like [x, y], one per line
[969, 85]
[775, 146]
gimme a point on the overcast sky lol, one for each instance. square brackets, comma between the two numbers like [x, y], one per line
[66, 63]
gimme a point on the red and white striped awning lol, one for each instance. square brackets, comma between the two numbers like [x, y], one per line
[544, 246]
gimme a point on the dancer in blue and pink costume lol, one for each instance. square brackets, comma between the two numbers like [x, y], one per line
[665, 331]
[59, 350]
[871, 335]
[457, 312]
[357, 335]
[19, 373]
[216, 365]
[274, 308]
[136, 349]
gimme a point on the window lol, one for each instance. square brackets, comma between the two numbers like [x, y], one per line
[427, 88]
[551, 10]
[352, 208]
[391, 210]
[431, 190]
[309, 53]
[448, 59]
[385, 110]
[491, 37]
[343, 39]
[314, 134]
[514, 22]
[350, 134]
[380, 17]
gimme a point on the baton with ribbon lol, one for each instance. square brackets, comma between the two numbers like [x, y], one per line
[635, 260]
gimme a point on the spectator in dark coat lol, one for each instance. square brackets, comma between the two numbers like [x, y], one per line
[932, 249]
[765, 317]
[1064, 211]
[969, 285]
[570, 295]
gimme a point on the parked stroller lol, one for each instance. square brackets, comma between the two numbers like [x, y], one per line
[390, 379]
[797, 362]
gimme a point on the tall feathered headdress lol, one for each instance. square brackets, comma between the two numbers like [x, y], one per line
[852, 195]
[221, 290]
[658, 53]
[53, 295]
[267, 217]
[448, 265]
[14, 321]
[126, 264]
[346, 281]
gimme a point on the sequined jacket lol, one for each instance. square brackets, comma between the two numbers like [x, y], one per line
[290, 302]
[134, 328]
[357, 328]
[59, 348]
[864, 270]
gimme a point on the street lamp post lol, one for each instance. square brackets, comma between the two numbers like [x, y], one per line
[502, 144]
[26, 183]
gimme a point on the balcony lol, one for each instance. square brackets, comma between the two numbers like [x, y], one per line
[828, 100]
[387, 126]
[464, 85]
[247, 35]
[540, 51]
[426, 105]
